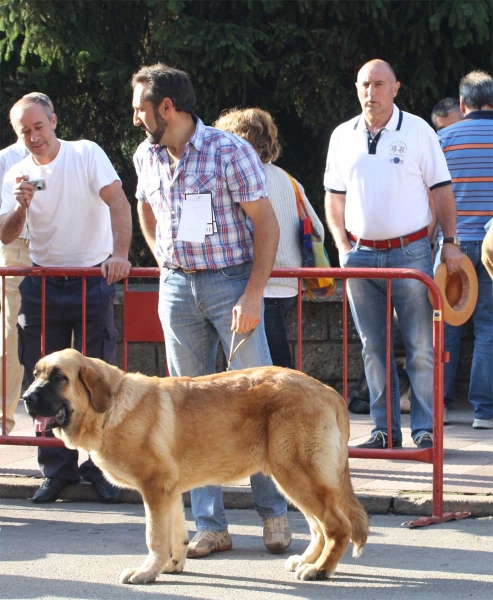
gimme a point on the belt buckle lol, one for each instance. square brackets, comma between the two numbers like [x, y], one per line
[189, 271]
[389, 244]
[374, 243]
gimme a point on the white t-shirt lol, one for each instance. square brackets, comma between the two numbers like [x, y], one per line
[386, 191]
[69, 224]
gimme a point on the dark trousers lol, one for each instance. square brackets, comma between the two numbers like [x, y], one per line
[275, 312]
[64, 325]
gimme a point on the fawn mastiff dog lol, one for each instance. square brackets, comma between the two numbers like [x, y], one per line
[165, 436]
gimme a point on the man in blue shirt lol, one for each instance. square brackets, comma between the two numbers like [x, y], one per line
[468, 148]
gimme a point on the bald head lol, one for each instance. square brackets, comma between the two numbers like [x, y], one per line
[377, 64]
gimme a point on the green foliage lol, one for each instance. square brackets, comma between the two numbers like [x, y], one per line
[297, 59]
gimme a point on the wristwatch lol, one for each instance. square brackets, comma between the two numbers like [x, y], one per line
[452, 240]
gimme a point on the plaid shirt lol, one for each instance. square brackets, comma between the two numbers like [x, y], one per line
[213, 161]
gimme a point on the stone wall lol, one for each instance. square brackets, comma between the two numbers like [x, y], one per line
[322, 346]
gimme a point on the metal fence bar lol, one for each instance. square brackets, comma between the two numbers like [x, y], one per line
[300, 326]
[389, 351]
[345, 346]
[125, 345]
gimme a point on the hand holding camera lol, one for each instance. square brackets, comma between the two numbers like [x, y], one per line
[24, 189]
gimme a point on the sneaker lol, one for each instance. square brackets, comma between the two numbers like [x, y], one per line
[483, 424]
[446, 416]
[425, 440]
[206, 542]
[379, 440]
[277, 534]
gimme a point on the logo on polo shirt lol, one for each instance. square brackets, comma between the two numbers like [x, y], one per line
[397, 151]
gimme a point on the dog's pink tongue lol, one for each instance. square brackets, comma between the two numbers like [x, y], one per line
[40, 423]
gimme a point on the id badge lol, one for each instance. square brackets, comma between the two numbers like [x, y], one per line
[197, 218]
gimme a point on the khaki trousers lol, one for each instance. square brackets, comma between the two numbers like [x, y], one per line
[15, 254]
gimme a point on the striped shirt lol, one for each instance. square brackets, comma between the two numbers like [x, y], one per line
[468, 148]
[213, 161]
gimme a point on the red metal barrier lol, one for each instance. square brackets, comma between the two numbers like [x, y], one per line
[134, 332]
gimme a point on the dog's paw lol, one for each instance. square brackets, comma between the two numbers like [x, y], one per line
[137, 576]
[174, 565]
[292, 563]
[309, 572]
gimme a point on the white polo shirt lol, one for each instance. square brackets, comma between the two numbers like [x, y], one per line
[69, 223]
[385, 179]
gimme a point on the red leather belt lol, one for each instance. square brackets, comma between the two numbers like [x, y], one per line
[393, 242]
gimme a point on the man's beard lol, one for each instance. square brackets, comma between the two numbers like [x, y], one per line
[156, 136]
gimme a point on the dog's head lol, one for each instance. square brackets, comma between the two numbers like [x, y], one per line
[68, 388]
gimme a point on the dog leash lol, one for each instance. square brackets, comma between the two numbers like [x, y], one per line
[232, 351]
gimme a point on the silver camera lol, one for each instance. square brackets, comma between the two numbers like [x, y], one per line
[38, 184]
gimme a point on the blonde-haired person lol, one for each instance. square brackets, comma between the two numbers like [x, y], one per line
[257, 127]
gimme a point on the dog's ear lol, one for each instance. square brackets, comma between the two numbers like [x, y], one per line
[98, 389]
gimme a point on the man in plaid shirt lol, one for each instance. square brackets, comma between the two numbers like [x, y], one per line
[205, 215]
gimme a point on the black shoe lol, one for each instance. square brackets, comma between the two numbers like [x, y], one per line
[380, 440]
[107, 492]
[359, 407]
[425, 440]
[49, 490]
[359, 397]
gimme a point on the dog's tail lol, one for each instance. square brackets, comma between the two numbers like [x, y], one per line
[356, 514]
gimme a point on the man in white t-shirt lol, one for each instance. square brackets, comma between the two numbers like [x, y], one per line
[15, 254]
[379, 168]
[76, 215]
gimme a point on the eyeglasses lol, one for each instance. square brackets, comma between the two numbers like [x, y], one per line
[41, 98]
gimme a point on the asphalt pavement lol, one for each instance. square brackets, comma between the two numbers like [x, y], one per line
[76, 551]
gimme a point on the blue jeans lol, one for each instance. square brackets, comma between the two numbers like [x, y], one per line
[64, 320]
[196, 314]
[481, 377]
[368, 302]
[275, 311]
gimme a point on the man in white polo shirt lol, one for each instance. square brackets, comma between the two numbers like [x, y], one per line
[77, 215]
[379, 167]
